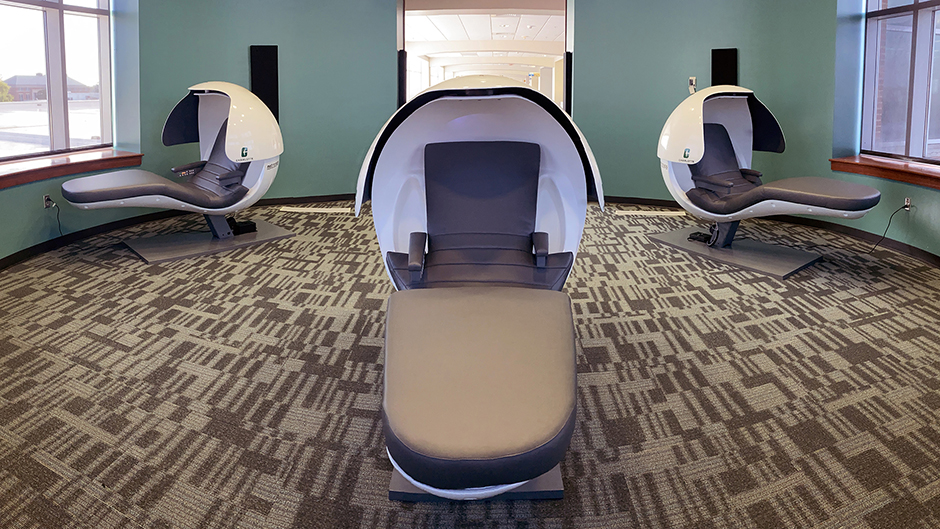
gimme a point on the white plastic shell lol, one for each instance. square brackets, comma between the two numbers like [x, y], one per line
[252, 134]
[682, 137]
[397, 184]
[478, 493]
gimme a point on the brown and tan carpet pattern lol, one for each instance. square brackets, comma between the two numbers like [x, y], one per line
[244, 389]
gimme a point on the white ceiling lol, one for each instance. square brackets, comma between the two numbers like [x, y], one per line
[458, 27]
[514, 6]
[499, 41]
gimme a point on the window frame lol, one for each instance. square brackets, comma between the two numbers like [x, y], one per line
[923, 19]
[54, 12]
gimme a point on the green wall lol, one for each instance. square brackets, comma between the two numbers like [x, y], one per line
[632, 62]
[337, 78]
[337, 63]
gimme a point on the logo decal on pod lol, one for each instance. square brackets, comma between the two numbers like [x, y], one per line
[245, 151]
[685, 153]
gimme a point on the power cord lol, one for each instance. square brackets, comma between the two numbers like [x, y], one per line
[48, 203]
[58, 223]
[886, 228]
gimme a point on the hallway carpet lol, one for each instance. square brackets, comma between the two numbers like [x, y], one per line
[244, 389]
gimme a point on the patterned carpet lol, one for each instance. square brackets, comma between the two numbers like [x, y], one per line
[243, 389]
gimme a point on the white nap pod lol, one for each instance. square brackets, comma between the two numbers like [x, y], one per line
[705, 152]
[479, 190]
[252, 137]
[240, 145]
[478, 109]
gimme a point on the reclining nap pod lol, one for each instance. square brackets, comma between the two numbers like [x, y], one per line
[705, 154]
[240, 145]
[479, 190]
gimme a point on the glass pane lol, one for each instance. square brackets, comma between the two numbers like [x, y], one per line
[875, 5]
[24, 113]
[101, 4]
[84, 80]
[892, 83]
[932, 148]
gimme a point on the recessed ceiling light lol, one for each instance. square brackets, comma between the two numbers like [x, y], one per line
[504, 25]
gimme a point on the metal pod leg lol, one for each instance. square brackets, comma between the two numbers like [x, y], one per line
[723, 234]
[219, 226]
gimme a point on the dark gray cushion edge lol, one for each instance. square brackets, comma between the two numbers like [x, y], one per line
[463, 474]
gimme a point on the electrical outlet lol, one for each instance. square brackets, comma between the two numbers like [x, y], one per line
[47, 202]
[907, 203]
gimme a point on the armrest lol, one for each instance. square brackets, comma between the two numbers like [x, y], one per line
[714, 180]
[540, 243]
[752, 175]
[416, 243]
[189, 169]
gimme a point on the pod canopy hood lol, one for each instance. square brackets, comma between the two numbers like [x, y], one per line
[252, 133]
[479, 124]
[478, 109]
[683, 140]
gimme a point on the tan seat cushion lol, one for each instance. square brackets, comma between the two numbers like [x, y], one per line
[478, 373]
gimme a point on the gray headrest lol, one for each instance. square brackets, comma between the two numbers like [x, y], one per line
[719, 152]
[481, 187]
[217, 155]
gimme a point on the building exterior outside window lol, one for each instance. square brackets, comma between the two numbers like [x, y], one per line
[55, 83]
[901, 106]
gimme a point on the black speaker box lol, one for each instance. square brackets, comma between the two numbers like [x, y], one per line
[263, 73]
[725, 66]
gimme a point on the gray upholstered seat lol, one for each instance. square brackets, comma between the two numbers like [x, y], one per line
[722, 188]
[480, 384]
[481, 208]
[808, 190]
[216, 185]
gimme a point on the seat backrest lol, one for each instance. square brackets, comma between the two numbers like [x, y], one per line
[481, 187]
[718, 169]
[220, 174]
[218, 161]
[719, 152]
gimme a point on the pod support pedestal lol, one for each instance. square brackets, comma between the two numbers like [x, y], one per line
[182, 245]
[776, 261]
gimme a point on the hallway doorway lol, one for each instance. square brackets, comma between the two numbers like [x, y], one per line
[522, 40]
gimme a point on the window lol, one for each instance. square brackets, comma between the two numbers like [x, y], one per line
[55, 76]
